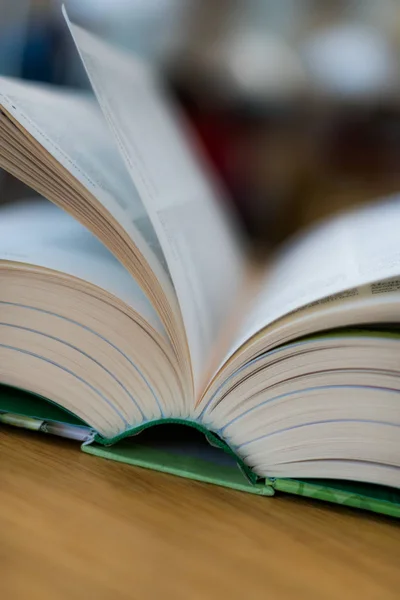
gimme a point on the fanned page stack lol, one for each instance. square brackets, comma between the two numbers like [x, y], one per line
[127, 305]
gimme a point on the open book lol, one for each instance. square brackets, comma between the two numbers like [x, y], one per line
[132, 306]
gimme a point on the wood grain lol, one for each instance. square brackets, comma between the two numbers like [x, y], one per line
[76, 527]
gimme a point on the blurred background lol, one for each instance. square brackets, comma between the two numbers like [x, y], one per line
[296, 101]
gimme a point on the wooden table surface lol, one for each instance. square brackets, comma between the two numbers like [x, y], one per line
[73, 526]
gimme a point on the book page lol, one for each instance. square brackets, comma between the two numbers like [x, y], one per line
[71, 127]
[348, 252]
[39, 233]
[201, 249]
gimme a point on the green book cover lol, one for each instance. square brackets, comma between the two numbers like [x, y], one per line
[188, 450]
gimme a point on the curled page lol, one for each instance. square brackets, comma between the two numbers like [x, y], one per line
[201, 248]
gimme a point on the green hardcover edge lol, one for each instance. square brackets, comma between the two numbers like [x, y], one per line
[23, 402]
[376, 499]
[212, 438]
[182, 465]
[335, 492]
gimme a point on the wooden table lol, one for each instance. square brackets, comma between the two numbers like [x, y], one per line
[76, 527]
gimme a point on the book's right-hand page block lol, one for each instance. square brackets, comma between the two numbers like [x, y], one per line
[348, 252]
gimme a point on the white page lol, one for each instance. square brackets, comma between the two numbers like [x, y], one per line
[71, 127]
[202, 252]
[39, 233]
[348, 252]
